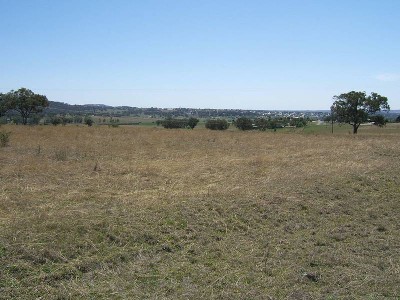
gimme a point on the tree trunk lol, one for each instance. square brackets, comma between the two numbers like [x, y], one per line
[355, 128]
[24, 119]
[24, 115]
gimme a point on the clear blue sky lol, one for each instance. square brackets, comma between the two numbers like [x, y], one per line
[201, 53]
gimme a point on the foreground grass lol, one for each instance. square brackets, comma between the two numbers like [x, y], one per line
[117, 213]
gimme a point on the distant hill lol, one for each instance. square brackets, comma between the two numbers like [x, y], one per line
[65, 108]
[118, 111]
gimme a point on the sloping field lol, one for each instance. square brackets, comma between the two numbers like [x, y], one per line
[149, 213]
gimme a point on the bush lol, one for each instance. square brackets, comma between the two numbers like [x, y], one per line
[4, 138]
[174, 123]
[66, 120]
[244, 123]
[261, 123]
[298, 122]
[89, 121]
[34, 119]
[16, 120]
[55, 121]
[217, 124]
[77, 119]
[264, 124]
[192, 122]
[378, 120]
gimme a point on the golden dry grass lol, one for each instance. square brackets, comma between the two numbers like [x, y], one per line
[135, 213]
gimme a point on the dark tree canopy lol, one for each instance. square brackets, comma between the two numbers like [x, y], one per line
[244, 123]
[89, 121]
[217, 124]
[3, 107]
[355, 108]
[25, 102]
[171, 123]
[192, 122]
[378, 120]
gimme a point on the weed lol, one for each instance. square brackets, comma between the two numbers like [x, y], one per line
[4, 138]
[60, 155]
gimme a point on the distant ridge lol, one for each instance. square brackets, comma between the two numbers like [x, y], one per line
[102, 109]
[54, 105]
[65, 108]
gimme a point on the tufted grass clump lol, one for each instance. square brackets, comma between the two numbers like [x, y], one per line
[4, 138]
[61, 154]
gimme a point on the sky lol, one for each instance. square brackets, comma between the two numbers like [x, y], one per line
[249, 54]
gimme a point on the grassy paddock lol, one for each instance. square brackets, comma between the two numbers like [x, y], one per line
[136, 212]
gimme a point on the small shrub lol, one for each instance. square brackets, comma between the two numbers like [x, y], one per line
[192, 122]
[378, 120]
[217, 124]
[34, 119]
[77, 119]
[65, 120]
[298, 122]
[89, 121]
[244, 123]
[4, 138]
[174, 123]
[261, 124]
[55, 121]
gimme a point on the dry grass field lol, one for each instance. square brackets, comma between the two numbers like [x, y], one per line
[150, 213]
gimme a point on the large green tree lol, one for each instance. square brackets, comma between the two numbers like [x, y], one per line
[25, 102]
[355, 108]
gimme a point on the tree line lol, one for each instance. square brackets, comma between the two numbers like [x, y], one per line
[353, 108]
[242, 123]
[28, 105]
[263, 124]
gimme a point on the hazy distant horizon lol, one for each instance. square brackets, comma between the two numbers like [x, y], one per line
[181, 107]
